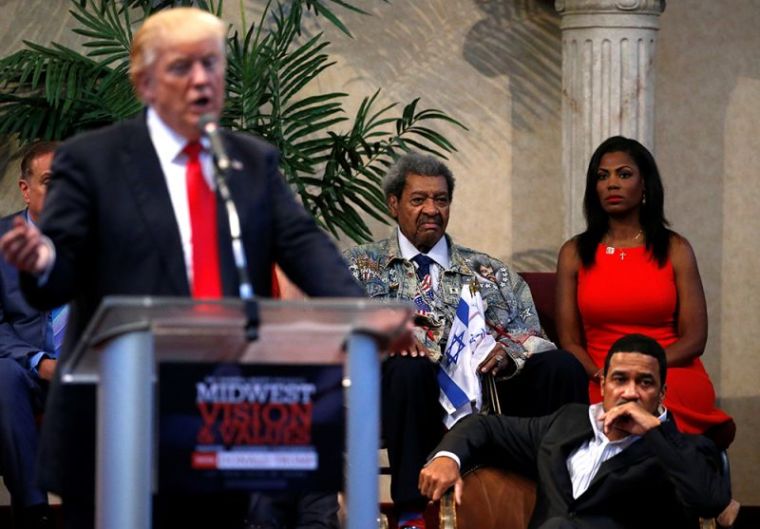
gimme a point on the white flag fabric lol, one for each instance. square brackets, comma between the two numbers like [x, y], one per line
[468, 345]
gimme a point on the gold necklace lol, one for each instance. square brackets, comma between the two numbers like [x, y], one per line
[607, 242]
[610, 250]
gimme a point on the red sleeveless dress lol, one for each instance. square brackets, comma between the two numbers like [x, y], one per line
[627, 292]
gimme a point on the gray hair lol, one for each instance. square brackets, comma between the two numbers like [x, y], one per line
[415, 163]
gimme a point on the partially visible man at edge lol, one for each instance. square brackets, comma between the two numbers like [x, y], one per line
[27, 358]
[122, 218]
[619, 464]
[421, 263]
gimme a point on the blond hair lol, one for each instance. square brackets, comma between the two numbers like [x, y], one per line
[171, 26]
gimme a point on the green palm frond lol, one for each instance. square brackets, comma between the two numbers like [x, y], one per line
[45, 91]
[319, 7]
[334, 162]
[108, 30]
[359, 158]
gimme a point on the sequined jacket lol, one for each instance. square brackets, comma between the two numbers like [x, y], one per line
[509, 309]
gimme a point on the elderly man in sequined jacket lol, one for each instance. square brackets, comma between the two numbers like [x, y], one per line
[420, 263]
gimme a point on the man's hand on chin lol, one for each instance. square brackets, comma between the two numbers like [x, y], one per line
[626, 419]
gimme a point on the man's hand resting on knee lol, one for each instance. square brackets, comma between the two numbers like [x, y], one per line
[438, 475]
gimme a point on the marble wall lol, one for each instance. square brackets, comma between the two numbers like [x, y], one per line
[707, 145]
[496, 66]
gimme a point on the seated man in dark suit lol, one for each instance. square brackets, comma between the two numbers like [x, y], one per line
[621, 463]
[27, 359]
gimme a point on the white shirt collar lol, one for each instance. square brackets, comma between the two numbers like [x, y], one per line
[438, 253]
[168, 143]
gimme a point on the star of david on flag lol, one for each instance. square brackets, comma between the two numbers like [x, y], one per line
[468, 345]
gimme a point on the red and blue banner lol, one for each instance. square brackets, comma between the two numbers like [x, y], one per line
[250, 427]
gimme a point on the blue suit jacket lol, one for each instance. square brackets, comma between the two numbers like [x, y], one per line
[23, 330]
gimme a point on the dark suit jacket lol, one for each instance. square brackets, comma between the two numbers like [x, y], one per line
[109, 215]
[23, 330]
[663, 480]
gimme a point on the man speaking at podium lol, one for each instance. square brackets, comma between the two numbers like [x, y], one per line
[132, 210]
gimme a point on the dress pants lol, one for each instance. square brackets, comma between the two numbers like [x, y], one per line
[412, 423]
[547, 381]
[22, 397]
[225, 511]
[312, 510]
[412, 417]
[169, 511]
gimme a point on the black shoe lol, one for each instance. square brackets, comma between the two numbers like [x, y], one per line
[37, 517]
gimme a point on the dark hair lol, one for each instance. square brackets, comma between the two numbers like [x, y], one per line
[651, 213]
[415, 163]
[639, 343]
[32, 152]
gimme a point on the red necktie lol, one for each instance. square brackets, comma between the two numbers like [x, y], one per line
[201, 199]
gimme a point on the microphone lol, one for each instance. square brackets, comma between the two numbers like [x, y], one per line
[210, 128]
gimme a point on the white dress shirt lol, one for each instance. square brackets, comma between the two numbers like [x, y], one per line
[584, 462]
[169, 146]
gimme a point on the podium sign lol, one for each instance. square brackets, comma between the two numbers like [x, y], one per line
[251, 427]
[128, 339]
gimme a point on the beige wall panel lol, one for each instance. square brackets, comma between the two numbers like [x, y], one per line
[10, 196]
[741, 254]
[707, 124]
[496, 67]
[740, 361]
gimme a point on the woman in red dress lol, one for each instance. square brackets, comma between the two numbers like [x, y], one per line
[629, 273]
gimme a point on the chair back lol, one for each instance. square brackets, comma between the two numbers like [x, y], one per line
[543, 288]
[492, 498]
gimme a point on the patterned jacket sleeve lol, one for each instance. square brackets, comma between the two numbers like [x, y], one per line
[519, 320]
[526, 307]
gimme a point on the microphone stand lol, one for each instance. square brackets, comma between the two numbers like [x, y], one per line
[251, 306]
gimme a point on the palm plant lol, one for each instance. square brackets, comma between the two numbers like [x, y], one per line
[53, 92]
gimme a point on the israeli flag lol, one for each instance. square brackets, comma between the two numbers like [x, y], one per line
[468, 345]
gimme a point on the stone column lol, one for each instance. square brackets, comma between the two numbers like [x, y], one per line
[607, 84]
